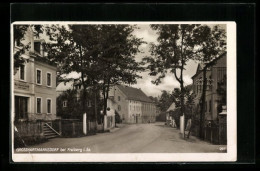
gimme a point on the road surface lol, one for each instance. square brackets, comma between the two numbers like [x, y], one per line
[135, 138]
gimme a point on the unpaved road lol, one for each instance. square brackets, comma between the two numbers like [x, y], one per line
[139, 138]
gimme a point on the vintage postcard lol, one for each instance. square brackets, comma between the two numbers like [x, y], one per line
[123, 91]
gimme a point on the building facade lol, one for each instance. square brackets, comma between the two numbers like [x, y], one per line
[132, 104]
[34, 84]
[216, 80]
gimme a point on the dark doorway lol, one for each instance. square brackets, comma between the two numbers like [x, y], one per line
[21, 108]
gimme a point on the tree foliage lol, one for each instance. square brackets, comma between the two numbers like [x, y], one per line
[211, 45]
[102, 54]
[165, 101]
[176, 46]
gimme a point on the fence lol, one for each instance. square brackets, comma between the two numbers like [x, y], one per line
[222, 133]
[30, 128]
[71, 128]
[212, 134]
[28, 133]
[92, 126]
[32, 131]
[216, 134]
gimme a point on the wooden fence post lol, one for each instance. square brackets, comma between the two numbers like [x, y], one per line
[205, 133]
[60, 131]
[73, 128]
[211, 135]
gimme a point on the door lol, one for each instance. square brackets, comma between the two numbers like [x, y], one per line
[21, 107]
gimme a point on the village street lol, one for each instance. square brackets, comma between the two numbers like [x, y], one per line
[135, 138]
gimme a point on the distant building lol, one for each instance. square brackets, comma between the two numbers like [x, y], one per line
[216, 80]
[34, 84]
[132, 104]
[169, 118]
[69, 105]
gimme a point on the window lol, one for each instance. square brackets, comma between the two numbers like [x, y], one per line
[65, 103]
[22, 74]
[119, 107]
[38, 76]
[38, 104]
[49, 79]
[89, 103]
[118, 98]
[48, 105]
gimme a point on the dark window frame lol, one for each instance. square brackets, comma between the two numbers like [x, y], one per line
[38, 76]
[22, 72]
[38, 108]
[49, 106]
[49, 79]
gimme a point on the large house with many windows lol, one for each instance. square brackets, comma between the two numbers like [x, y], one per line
[216, 80]
[132, 104]
[34, 84]
[214, 122]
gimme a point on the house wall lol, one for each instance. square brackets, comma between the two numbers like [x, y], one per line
[45, 92]
[148, 112]
[110, 114]
[28, 88]
[120, 100]
[132, 111]
[135, 111]
[216, 72]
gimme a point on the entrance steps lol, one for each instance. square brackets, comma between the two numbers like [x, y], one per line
[49, 132]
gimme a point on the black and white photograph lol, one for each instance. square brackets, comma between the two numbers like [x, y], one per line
[123, 91]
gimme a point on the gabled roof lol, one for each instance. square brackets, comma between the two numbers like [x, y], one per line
[199, 69]
[202, 65]
[134, 94]
[171, 108]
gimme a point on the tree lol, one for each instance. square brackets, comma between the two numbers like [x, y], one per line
[118, 48]
[176, 46]
[165, 101]
[75, 48]
[211, 44]
[103, 54]
[188, 103]
[72, 109]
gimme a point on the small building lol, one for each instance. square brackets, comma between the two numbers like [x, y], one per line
[132, 104]
[169, 118]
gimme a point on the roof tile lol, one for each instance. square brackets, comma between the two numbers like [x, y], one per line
[134, 94]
